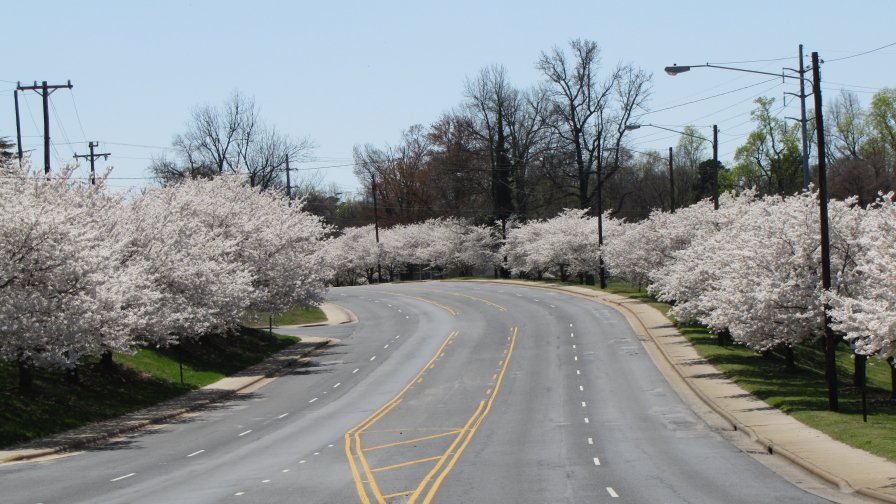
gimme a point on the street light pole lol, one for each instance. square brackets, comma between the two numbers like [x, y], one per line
[715, 159]
[829, 336]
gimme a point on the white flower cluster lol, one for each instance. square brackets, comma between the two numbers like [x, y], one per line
[84, 270]
[446, 244]
[754, 268]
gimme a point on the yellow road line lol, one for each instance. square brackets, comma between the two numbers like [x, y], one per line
[421, 429]
[493, 305]
[405, 464]
[424, 438]
[444, 457]
[438, 482]
[398, 494]
[430, 301]
[367, 422]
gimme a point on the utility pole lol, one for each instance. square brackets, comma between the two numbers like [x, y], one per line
[671, 184]
[830, 339]
[93, 157]
[807, 174]
[45, 90]
[15, 95]
[376, 228]
[715, 166]
[288, 186]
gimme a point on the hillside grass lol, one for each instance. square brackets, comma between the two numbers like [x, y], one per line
[148, 377]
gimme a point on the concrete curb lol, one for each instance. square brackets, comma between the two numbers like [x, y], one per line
[631, 315]
[215, 396]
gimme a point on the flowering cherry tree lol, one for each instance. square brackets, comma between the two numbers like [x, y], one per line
[866, 313]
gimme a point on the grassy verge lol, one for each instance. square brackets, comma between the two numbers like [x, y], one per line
[296, 316]
[802, 392]
[146, 378]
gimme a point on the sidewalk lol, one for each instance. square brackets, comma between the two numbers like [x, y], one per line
[245, 381]
[851, 469]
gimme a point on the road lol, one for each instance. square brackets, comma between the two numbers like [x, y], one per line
[442, 392]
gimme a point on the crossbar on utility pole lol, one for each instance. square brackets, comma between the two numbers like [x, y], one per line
[45, 90]
[93, 157]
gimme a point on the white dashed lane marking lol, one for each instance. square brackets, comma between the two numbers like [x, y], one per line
[244, 433]
[195, 453]
[612, 492]
[122, 477]
[311, 401]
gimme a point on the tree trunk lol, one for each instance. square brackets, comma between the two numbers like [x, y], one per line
[892, 364]
[106, 361]
[26, 377]
[859, 370]
[789, 358]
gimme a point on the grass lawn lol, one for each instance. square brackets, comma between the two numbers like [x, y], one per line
[296, 316]
[802, 392]
[146, 378]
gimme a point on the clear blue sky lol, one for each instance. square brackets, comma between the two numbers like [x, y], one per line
[348, 73]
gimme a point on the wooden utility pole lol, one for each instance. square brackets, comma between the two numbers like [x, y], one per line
[15, 95]
[45, 90]
[830, 338]
[92, 157]
[288, 184]
[671, 184]
[715, 166]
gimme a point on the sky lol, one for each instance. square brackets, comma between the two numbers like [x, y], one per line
[347, 73]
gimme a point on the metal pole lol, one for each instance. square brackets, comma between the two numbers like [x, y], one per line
[830, 339]
[671, 184]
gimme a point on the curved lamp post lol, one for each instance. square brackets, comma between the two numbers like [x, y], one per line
[830, 339]
[715, 156]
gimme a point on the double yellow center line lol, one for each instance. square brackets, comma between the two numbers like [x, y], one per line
[445, 462]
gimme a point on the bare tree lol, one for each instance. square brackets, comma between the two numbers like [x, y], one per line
[588, 116]
[230, 139]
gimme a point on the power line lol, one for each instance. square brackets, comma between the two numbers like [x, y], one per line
[861, 53]
[708, 97]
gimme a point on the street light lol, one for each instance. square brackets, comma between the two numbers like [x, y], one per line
[830, 339]
[715, 150]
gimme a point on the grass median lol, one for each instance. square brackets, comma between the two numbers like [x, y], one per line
[59, 402]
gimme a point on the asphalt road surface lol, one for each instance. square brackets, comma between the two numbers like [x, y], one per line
[442, 392]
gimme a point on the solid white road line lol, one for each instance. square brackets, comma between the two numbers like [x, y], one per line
[195, 453]
[244, 433]
[122, 477]
[612, 492]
